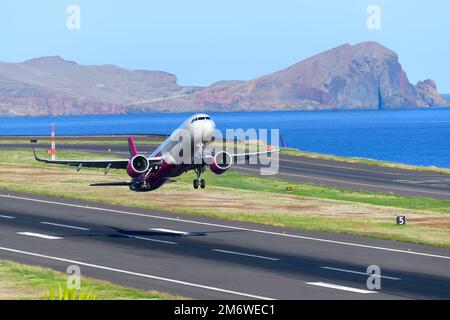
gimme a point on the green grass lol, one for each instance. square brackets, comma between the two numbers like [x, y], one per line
[241, 181]
[32, 283]
[260, 190]
[265, 184]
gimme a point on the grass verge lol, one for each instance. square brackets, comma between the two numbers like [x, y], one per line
[23, 282]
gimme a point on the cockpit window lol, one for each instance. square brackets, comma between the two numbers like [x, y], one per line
[200, 118]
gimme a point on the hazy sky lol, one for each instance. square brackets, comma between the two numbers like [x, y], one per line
[203, 41]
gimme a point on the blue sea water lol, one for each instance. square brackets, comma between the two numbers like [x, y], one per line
[420, 137]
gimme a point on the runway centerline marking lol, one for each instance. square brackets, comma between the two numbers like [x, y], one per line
[339, 287]
[175, 232]
[142, 275]
[362, 273]
[287, 235]
[39, 235]
[7, 217]
[64, 226]
[150, 239]
[246, 254]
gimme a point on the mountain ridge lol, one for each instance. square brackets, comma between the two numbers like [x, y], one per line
[362, 76]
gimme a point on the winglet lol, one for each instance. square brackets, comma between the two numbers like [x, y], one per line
[35, 156]
[132, 146]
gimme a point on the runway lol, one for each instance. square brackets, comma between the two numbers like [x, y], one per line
[205, 258]
[363, 177]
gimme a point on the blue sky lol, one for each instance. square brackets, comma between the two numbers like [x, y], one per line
[203, 41]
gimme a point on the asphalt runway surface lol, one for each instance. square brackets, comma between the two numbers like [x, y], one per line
[363, 177]
[204, 258]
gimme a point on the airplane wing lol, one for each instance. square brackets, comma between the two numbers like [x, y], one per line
[247, 155]
[108, 163]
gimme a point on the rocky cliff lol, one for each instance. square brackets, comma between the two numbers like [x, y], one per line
[364, 76]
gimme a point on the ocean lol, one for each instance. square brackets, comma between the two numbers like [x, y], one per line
[418, 137]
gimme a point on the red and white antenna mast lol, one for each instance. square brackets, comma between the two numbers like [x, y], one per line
[53, 149]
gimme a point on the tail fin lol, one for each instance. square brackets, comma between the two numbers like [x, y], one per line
[132, 146]
[282, 145]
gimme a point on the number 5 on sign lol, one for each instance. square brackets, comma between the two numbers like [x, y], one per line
[401, 220]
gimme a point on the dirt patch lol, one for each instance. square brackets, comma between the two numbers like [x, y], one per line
[432, 222]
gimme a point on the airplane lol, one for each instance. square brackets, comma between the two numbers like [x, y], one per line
[151, 172]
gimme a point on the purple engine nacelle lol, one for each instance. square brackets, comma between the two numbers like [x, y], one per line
[221, 163]
[137, 166]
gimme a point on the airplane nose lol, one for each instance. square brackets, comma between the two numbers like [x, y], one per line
[208, 130]
[203, 130]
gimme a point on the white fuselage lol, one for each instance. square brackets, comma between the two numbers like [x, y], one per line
[193, 134]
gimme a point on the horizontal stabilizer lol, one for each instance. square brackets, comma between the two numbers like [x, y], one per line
[111, 184]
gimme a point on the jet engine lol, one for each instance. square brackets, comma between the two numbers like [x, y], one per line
[221, 163]
[137, 166]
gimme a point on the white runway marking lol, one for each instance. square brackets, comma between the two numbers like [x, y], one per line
[189, 284]
[181, 233]
[154, 240]
[64, 226]
[421, 181]
[362, 273]
[338, 287]
[231, 227]
[38, 235]
[7, 217]
[246, 254]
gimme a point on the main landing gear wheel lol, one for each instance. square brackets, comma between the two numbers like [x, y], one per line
[199, 182]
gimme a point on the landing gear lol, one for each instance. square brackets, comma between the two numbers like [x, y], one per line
[140, 187]
[199, 182]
